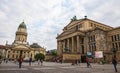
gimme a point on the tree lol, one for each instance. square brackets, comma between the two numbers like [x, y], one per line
[54, 53]
[40, 56]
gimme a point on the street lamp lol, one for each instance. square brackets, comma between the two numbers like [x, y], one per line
[114, 51]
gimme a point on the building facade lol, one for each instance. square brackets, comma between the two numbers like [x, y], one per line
[20, 47]
[2, 51]
[84, 36]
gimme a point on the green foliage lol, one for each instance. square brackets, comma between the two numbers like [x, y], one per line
[40, 56]
[54, 53]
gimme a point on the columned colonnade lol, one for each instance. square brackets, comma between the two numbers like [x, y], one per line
[72, 44]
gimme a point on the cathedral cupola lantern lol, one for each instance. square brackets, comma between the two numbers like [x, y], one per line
[21, 33]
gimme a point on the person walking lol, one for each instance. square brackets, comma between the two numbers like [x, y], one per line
[30, 60]
[20, 62]
[38, 61]
[114, 62]
[78, 61]
[41, 61]
[87, 62]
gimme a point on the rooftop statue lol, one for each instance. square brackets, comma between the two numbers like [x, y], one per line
[74, 18]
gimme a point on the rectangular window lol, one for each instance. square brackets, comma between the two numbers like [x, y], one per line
[113, 45]
[94, 47]
[116, 45]
[90, 47]
[76, 28]
[12, 56]
[82, 49]
[80, 25]
[82, 40]
[119, 44]
[90, 38]
[93, 38]
[112, 38]
[119, 37]
[115, 37]
[91, 24]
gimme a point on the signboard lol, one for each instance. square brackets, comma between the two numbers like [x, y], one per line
[89, 53]
[98, 54]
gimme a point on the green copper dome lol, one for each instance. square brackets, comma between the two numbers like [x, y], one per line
[22, 25]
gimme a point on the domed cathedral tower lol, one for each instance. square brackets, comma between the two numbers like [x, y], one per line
[21, 34]
[20, 48]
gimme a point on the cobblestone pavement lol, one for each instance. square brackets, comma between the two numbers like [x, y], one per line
[50, 67]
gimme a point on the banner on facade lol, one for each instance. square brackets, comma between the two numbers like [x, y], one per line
[98, 54]
[89, 53]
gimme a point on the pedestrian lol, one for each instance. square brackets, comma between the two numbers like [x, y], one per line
[38, 61]
[20, 62]
[15, 60]
[61, 61]
[30, 60]
[87, 62]
[78, 61]
[41, 61]
[4, 60]
[114, 62]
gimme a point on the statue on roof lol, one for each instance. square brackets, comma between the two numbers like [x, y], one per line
[74, 18]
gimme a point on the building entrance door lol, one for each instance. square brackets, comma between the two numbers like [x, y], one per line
[83, 59]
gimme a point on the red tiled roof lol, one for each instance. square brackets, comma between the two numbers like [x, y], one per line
[2, 47]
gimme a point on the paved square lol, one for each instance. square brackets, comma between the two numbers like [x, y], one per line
[50, 67]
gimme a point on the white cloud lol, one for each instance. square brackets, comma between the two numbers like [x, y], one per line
[46, 18]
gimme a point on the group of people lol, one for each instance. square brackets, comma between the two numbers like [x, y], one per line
[20, 60]
[114, 62]
[40, 61]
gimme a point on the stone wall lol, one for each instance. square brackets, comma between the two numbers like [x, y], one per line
[48, 57]
[70, 57]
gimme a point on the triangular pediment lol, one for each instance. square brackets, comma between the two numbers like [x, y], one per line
[21, 47]
[74, 22]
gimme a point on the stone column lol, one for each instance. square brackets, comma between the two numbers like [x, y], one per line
[72, 49]
[78, 44]
[59, 47]
[63, 45]
[85, 45]
[68, 44]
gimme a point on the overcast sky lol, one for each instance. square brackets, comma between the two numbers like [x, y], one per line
[45, 18]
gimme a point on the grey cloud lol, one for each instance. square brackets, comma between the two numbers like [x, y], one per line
[46, 18]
